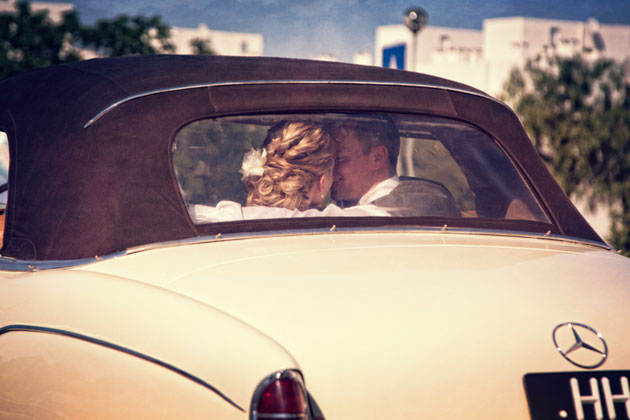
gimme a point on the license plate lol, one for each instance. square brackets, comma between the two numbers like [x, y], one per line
[597, 395]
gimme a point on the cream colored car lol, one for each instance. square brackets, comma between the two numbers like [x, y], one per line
[78, 346]
[137, 283]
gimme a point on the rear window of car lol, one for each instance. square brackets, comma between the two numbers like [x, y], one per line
[444, 168]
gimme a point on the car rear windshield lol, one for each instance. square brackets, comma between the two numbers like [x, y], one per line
[332, 164]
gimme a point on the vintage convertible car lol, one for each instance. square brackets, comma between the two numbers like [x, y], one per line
[128, 288]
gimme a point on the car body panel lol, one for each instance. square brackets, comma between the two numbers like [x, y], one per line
[421, 324]
[44, 375]
[212, 348]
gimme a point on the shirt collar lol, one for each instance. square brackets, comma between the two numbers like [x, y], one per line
[379, 190]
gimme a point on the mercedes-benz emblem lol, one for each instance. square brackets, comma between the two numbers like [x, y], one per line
[580, 344]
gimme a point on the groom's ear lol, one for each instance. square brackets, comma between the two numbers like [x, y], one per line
[378, 157]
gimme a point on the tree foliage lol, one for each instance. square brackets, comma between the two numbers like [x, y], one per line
[126, 35]
[207, 158]
[577, 113]
[201, 47]
[29, 40]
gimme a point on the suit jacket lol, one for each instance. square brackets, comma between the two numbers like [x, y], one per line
[418, 197]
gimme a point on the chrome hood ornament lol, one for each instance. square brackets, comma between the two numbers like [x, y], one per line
[580, 344]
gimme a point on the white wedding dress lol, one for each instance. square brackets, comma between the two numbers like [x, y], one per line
[226, 211]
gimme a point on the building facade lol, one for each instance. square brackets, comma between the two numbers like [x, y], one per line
[220, 42]
[484, 58]
[55, 10]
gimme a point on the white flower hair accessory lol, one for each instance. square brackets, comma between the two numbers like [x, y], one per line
[253, 163]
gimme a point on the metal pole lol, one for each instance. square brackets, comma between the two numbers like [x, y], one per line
[415, 19]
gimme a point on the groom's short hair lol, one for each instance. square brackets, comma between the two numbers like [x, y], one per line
[374, 133]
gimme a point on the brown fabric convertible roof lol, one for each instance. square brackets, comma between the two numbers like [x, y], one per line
[78, 192]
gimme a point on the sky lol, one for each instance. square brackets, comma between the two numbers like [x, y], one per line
[306, 28]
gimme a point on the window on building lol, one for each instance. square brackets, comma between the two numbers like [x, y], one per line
[553, 35]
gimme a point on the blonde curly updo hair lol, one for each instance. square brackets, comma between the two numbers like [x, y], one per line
[298, 154]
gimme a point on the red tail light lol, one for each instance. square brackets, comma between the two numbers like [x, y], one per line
[280, 396]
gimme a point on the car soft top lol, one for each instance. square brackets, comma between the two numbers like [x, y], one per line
[90, 142]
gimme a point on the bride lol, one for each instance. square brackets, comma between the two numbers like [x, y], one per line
[290, 177]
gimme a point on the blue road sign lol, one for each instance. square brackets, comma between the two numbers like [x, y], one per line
[394, 57]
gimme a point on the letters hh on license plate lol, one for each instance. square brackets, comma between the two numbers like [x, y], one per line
[597, 395]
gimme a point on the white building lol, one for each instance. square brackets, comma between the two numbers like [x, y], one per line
[362, 57]
[484, 58]
[55, 10]
[509, 42]
[221, 42]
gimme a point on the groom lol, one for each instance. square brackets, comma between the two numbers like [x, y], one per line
[365, 173]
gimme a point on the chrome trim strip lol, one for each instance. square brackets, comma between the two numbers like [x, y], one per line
[11, 264]
[34, 328]
[282, 82]
[384, 229]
